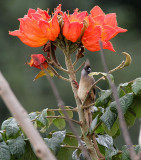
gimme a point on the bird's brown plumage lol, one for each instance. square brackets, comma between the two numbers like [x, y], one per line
[84, 86]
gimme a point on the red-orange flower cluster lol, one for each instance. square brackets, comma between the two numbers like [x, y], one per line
[37, 27]
[101, 27]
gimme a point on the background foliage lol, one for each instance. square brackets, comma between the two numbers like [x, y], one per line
[38, 95]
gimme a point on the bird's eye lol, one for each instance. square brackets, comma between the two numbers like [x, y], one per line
[89, 69]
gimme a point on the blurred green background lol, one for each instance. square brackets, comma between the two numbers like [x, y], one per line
[38, 95]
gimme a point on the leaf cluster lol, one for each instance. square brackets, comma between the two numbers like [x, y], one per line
[105, 125]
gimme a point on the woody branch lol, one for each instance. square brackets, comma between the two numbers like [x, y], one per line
[20, 114]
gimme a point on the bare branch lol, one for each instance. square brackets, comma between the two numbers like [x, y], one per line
[20, 114]
[118, 106]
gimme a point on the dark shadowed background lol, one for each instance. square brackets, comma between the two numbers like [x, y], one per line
[38, 95]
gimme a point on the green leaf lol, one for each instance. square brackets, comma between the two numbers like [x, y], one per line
[32, 115]
[121, 92]
[130, 117]
[93, 124]
[1, 139]
[76, 154]
[56, 140]
[72, 141]
[59, 123]
[11, 127]
[100, 129]
[126, 87]
[105, 140]
[137, 148]
[4, 151]
[110, 152]
[70, 113]
[117, 156]
[136, 86]
[50, 120]
[42, 120]
[125, 103]
[109, 118]
[104, 97]
[137, 109]
[101, 149]
[17, 146]
[64, 153]
[29, 153]
[114, 131]
[125, 153]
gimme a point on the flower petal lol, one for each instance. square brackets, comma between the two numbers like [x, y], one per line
[108, 45]
[97, 11]
[73, 25]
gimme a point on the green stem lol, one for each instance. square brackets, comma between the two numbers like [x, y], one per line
[72, 77]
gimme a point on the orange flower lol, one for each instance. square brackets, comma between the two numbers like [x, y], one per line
[73, 25]
[38, 61]
[101, 27]
[36, 28]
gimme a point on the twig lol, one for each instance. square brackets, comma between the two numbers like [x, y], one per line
[59, 109]
[98, 88]
[57, 75]
[85, 107]
[61, 117]
[20, 114]
[118, 106]
[97, 125]
[79, 67]
[73, 147]
[61, 68]
[75, 62]
[68, 135]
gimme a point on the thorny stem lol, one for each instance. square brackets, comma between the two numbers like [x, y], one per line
[72, 78]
